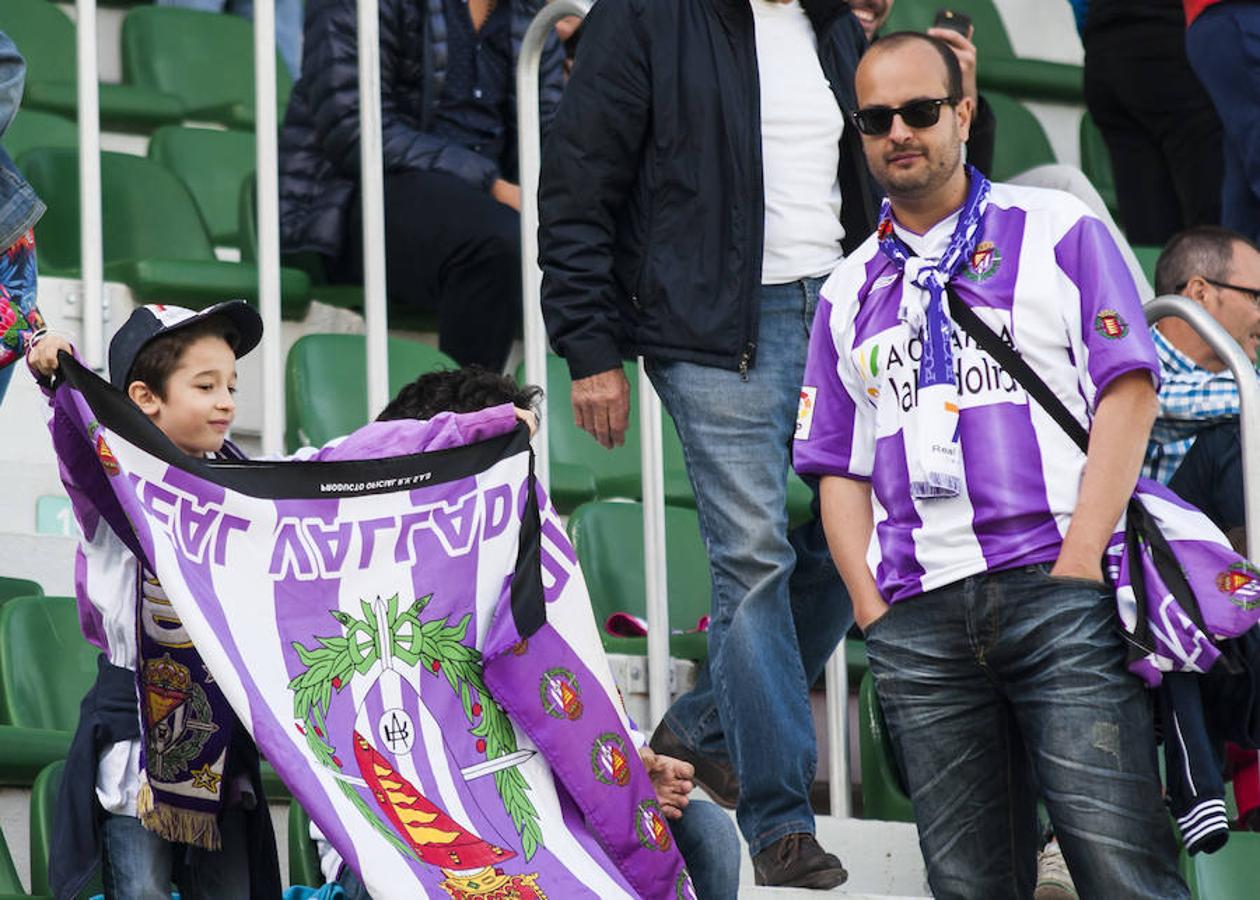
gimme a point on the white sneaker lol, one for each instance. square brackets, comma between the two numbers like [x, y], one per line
[1054, 882]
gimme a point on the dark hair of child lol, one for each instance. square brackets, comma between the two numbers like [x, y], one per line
[458, 391]
[159, 358]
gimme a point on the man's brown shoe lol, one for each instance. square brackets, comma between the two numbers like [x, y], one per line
[717, 779]
[797, 861]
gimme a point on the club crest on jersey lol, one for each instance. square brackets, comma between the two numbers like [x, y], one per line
[985, 261]
[1241, 583]
[805, 412]
[650, 827]
[108, 461]
[1110, 324]
[561, 694]
[608, 760]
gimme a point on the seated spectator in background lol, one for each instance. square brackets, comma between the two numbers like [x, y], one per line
[448, 91]
[705, 835]
[288, 23]
[1161, 132]
[1223, 43]
[20, 209]
[1195, 447]
[873, 13]
[993, 643]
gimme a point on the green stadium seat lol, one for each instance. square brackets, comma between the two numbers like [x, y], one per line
[46, 37]
[25, 751]
[325, 383]
[303, 857]
[18, 587]
[999, 69]
[204, 59]
[45, 664]
[1021, 141]
[43, 812]
[608, 538]
[883, 797]
[155, 241]
[10, 885]
[32, 128]
[1096, 163]
[213, 165]
[1147, 257]
[1231, 873]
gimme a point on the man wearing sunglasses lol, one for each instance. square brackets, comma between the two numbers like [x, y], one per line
[1195, 447]
[966, 524]
[701, 179]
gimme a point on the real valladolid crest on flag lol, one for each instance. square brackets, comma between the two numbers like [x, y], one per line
[411, 646]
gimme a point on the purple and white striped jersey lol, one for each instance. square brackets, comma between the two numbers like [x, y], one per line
[1047, 277]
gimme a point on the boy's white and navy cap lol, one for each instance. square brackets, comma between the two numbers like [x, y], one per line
[155, 319]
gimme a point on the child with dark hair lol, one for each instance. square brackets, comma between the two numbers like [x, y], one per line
[168, 789]
[458, 391]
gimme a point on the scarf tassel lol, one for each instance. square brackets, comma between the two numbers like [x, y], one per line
[180, 826]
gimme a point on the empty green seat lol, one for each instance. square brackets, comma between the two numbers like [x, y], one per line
[325, 383]
[1021, 141]
[204, 59]
[1231, 873]
[46, 37]
[32, 128]
[25, 751]
[19, 587]
[46, 666]
[998, 67]
[10, 885]
[43, 812]
[1147, 257]
[155, 241]
[608, 538]
[1096, 163]
[213, 165]
[303, 857]
[883, 797]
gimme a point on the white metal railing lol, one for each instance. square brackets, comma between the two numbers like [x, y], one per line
[268, 212]
[1229, 350]
[91, 267]
[372, 187]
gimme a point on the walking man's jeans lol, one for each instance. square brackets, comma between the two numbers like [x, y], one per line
[1005, 680]
[779, 607]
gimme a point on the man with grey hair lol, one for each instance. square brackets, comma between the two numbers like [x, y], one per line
[1194, 445]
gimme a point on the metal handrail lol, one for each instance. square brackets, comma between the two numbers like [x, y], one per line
[91, 264]
[372, 188]
[1229, 350]
[267, 180]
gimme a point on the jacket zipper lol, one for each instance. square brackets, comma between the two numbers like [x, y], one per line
[745, 359]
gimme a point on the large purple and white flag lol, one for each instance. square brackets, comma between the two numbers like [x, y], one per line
[410, 643]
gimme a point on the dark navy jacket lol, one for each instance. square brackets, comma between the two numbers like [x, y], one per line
[651, 200]
[319, 144]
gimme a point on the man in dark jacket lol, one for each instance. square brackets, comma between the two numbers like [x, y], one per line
[700, 177]
[448, 101]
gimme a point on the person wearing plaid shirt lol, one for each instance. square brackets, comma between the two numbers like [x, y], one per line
[1194, 446]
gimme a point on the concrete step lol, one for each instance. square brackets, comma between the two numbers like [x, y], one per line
[882, 858]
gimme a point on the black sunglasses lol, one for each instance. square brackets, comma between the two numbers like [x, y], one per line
[876, 120]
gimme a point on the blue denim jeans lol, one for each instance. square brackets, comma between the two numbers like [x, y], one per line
[139, 865]
[1011, 684]
[779, 607]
